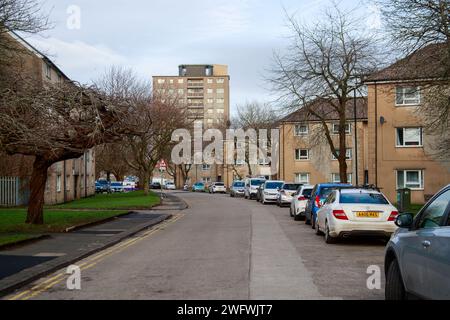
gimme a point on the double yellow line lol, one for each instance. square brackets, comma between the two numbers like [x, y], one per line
[94, 260]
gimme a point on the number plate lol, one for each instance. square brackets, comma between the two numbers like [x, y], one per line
[368, 214]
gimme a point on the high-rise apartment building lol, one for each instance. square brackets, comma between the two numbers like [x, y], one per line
[205, 91]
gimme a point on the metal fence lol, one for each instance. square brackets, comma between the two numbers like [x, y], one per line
[13, 192]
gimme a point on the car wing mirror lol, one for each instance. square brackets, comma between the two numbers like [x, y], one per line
[404, 221]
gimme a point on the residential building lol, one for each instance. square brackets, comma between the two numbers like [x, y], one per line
[205, 91]
[402, 153]
[67, 180]
[305, 154]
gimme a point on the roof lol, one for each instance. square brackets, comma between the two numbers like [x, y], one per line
[38, 53]
[326, 110]
[430, 62]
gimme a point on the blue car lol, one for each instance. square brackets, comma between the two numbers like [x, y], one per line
[102, 186]
[199, 187]
[417, 259]
[318, 196]
[117, 187]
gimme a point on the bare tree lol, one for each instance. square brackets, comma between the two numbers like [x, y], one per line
[53, 123]
[325, 63]
[110, 158]
[253, 115]
[23, 16]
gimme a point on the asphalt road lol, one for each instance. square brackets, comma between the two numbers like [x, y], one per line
[223, 248]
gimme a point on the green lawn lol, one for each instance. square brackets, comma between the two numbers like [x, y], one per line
[121, 201]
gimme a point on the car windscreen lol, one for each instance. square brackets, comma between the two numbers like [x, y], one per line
[219, 185]
[239, 185]
[307, 192]
[363, 198]
[257, 182]
[291, 187]
[102, 182]
[274, 185]
[116, 184]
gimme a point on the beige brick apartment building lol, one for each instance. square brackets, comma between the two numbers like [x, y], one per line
[205, 91]
[305, 155]
[401, 151]
[67, 180]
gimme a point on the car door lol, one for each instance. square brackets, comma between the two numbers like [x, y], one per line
[426, 252]
[308, 210]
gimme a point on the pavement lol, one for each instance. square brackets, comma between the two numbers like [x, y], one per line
[26, 263]
[221, 248]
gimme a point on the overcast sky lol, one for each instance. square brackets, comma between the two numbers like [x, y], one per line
[155, 36]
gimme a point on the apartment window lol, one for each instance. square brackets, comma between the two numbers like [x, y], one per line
[180, 81]
[240, 162]
[58, 183]
[209, 91]
[206, 167]
[48, 71]
[302, 178]
[207, 180]
[210, 81]
[161, 81]
[220, 101]
[348, 154]
[264, 161]
[180, 91]
[210, 101]
[412, 179]
[301, 154]
[220, 80]
[171, 91]
[336, 178]
[220, 111]
[220, 91]
[171, 81]
[210, 111]
[407, 96]
[348, 128]
[409, 137]
[301, 129]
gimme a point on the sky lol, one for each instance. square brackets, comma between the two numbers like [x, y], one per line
[153, 37]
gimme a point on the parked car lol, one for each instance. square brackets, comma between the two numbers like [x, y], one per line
[318, 195]
[353, 211]
[186, 187]
[155, 186]
[417, 259]
[170, 186]
[286, 193]
[117, 187]
[251, 187]
[237, 189]
[102, 186]
[129, 186]
[199, 187]
[299, 202]
[217, 187]
[270, 190]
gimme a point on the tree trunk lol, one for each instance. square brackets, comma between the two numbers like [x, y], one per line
[146, 185]
[35, 213]
[343, 170]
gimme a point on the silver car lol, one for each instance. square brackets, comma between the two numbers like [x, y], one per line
[417, 261]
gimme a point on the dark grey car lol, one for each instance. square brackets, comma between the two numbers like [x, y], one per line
[417, 261]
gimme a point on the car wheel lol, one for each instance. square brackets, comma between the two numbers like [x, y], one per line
[328, 238]
[395, 289]
[318, 232]
[297, 217]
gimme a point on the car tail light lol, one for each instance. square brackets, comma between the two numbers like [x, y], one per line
[302, 198]
[340, 214]
[318, 202]
[393, 216]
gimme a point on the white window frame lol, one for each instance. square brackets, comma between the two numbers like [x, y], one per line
[298, 156]
[161, 81]
[206, 167]
[220, 91]
[405, 183]
[299, 133]
[180, 81]
[404, 145]
[298, 178]
[58, 183]
[48, 71]
[335, 128]
[220, 101]
[220, 80]
[403, 91]
[338, 180]
[348, 155]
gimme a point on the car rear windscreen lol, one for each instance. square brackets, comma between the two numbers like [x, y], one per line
[257, 182]
[274, 185]
[291, 187]
[363, 198]
[307, 192]
[325, 192]
[239, 184]
[220, 184]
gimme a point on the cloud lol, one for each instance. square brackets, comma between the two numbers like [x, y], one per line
[78, 59]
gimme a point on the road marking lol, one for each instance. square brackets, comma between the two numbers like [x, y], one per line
[95, 259]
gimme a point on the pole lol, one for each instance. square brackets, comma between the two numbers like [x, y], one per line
[356, 136]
